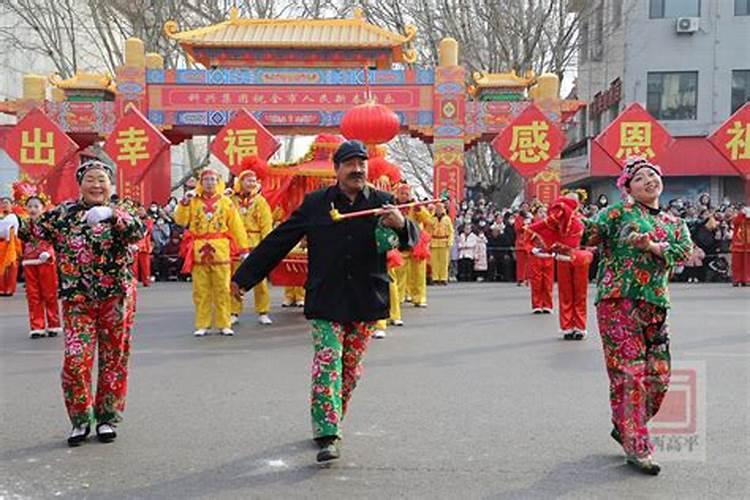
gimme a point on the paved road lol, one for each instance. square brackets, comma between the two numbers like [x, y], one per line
[474, 398]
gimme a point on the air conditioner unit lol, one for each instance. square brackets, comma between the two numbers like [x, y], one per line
[687, 24]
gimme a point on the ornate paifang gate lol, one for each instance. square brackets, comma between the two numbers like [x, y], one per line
[296, 85]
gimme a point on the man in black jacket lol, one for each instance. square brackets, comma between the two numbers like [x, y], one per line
[347, 281]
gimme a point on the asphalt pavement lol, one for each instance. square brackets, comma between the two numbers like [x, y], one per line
[473, 398]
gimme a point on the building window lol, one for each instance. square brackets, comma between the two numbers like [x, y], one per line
[742, 7]
[596, 125]
[674, 8]
[673, 95]
[614, 110]
[740, 88]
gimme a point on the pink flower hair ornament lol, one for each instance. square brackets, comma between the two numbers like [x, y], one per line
[632, 166]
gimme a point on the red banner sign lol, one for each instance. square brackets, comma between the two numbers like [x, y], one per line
[38, 145]
[334, 98]
[530, 142]
[732, 139]
[634, 133]
[243, 136]
[134, 145]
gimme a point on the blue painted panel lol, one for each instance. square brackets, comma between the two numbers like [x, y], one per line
[155, 76]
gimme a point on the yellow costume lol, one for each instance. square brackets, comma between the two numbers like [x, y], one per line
[411, 278]
[214, 232]
[440, 247]
[255, 214]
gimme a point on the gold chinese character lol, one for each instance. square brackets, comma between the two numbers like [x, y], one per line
[739, 144]
[635, 140]
[292, 98]
[132, 144]
[226, 98]
[529, 143]
[259, 99]
[240, 143]
[339, 99]
[243, 99]
[38, 146]
[388, 99]
[323, 99]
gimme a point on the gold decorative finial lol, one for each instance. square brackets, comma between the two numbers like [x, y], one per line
[234, 13]
[358, 13]
[171, 28]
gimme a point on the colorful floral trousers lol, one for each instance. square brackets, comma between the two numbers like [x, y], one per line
[635, 336]
[336, 368]
[102, 326]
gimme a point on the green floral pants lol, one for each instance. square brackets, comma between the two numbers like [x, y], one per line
[336, 368]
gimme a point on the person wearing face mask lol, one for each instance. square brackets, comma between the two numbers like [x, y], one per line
[10, 248]
[347, 288]
[740, 248]
[640, 245]
[255, 214]
[214, 235]
[38, 261]
[91, 237]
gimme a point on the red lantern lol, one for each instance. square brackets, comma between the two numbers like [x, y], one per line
[370, 123]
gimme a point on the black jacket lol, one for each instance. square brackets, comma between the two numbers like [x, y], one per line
[347, 278]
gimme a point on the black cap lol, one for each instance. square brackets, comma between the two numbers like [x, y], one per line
[348, 150]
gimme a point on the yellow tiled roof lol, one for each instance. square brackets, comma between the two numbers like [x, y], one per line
[278, 33]
[84, 81]
[503, 80]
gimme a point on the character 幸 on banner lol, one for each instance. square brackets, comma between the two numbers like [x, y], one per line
[257, 220]
[214, 235]
[91, 238]
[347, 288]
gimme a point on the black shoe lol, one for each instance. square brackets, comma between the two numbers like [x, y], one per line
[579, 335]
[329, 449]
[616, 435]
[646, 465]
[78, 435]
[569, 336]
[105, 432]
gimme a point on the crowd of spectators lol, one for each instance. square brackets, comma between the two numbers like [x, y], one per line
[485, 238]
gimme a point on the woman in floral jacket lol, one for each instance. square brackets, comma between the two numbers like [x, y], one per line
[640, 245]
[91, 238]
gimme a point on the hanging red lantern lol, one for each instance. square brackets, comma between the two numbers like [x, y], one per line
[370, 123]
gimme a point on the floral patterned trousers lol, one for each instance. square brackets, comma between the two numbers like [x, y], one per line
[635, 336]
[93, 325]
[336, 368]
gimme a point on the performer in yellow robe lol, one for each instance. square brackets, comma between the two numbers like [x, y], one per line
[441, 231]
[411, 278]
[214, 233]
[294, 296]
[255, 214]
[394, 261]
